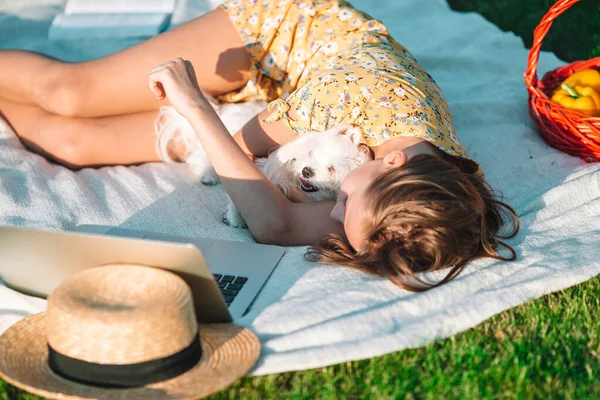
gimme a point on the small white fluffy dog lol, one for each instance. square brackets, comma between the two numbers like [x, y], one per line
[308, 168]
[171, 126]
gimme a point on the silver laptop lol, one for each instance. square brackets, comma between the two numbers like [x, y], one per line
[225, 276]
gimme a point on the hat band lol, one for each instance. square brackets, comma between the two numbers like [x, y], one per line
[125, 375]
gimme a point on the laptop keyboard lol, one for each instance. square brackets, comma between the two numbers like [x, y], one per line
[230, 286]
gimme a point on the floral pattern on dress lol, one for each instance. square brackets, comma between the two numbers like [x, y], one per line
[335, 64]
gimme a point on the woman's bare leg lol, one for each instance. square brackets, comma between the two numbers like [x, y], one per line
[118, 83]
[83, 142]
[123, 139]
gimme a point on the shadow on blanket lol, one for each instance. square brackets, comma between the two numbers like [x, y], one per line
[20, 313]
[196, 210]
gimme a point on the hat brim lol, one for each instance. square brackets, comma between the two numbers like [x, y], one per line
[228, 353]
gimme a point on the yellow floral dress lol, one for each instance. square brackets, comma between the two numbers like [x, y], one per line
[335, 64]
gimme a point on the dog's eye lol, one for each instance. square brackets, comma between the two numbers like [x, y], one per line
[310, 153]
[331, 169]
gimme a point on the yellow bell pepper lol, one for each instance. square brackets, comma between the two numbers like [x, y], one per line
[580, 92]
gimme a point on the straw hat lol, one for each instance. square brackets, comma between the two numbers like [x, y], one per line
[124, 331]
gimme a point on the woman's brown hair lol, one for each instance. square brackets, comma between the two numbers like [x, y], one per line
[424, 216]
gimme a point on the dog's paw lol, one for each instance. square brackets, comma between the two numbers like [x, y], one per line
[210, 178]
[233, 218]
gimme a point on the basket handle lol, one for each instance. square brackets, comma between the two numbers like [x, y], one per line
[539, 34]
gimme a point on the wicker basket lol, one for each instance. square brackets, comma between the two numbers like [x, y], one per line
[570, 131]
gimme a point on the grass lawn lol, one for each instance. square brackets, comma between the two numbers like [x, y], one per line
[548, 348]
[575, 35]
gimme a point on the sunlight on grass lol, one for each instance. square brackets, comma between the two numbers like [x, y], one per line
[548, 348]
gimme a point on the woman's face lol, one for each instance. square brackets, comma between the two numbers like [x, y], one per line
[352, 200]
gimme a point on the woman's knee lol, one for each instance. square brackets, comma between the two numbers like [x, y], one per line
[62, 90]
[64, 143]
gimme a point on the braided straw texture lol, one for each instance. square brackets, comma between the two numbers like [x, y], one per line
[570, 131]
[120, 314]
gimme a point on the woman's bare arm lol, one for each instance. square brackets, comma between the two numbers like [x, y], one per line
[306, 223]
[258, 139]
[271, 217]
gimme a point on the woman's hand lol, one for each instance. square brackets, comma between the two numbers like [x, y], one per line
[176, 80]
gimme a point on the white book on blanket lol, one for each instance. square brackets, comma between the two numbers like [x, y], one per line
[76, 26]
[111, 19]
[119, 6]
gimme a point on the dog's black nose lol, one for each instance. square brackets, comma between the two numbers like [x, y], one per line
[308, 172]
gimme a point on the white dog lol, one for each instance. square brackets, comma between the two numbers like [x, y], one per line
[308, 168]
[172, 126]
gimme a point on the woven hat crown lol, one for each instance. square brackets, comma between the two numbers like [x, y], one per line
[120, 314]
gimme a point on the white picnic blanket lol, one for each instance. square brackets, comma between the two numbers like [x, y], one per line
[309, 315]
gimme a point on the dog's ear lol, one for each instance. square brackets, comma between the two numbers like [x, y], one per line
[354, 133]
[366, 150]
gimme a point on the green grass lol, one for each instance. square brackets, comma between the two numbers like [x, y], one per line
[545, 349]
[549, 348]
[575, 34]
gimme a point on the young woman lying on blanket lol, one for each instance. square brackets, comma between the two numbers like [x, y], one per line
[420, 205]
